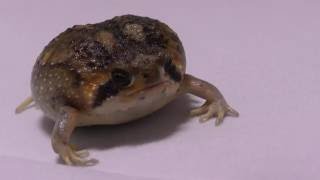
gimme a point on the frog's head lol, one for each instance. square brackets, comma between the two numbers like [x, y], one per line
[145, 76]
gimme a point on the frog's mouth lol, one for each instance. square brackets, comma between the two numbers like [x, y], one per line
[148, 88]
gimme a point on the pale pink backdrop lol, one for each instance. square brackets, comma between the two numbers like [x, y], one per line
[263, 55]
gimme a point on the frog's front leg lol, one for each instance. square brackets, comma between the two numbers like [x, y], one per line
[215, 103]
[63, 128]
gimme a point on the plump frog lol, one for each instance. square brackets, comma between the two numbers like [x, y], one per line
[114, 72]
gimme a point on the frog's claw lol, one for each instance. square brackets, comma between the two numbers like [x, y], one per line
[24, 105]
[60, 140]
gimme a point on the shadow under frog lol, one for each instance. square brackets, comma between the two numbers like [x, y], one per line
[155, 127]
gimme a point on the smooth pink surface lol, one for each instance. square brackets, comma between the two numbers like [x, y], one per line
[263, 55]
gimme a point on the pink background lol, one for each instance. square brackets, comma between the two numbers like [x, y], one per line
[263, 55]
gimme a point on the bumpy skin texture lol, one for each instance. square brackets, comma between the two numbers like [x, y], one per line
[114, 72]
[74, 68]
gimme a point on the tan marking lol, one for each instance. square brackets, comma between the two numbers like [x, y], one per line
[45, 57]
[178, 59]
[134, 31]
[107, 39]
[90, 86]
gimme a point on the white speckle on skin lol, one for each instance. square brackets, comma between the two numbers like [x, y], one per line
[85, 68]
[62, 124]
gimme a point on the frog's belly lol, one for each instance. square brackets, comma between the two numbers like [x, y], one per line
[117, 110]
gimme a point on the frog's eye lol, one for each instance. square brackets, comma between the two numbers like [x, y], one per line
[121, 77]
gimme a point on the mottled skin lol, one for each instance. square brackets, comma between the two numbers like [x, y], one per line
[114, 72]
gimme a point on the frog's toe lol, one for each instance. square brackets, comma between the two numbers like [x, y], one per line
[220, 109]
[232, 112]
[75, 158]
[200, 110]
[212, 110]
[79, 159]
[83, 153]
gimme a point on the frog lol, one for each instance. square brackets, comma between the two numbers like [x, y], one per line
[114, 72]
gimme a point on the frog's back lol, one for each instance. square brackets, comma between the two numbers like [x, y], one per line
[72, 65]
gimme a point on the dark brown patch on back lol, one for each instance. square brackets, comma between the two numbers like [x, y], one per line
[92, 54]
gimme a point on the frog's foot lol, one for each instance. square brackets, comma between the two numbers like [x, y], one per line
[26, 104]
[72, 157]
[219, 108]
[62, 131]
